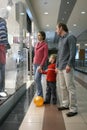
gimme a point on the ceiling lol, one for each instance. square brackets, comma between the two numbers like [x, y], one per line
[67, 11]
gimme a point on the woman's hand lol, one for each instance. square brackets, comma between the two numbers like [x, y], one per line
[39, 69]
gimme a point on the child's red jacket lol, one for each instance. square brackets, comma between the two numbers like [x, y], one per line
[50, 72]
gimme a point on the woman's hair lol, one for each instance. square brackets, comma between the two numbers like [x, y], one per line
[64, 26]
[43, 34]
[54, 56]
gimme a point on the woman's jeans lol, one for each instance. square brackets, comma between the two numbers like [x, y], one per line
[37, 78]
[2, 77]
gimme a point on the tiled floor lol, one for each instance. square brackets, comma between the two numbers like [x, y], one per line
[81, 76]
[34, 118]
[78, 122]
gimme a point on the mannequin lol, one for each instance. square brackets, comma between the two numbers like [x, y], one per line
[3, 44]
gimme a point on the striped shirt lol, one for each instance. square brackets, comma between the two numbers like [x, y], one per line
[3, 32]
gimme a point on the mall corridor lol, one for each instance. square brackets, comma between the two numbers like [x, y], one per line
[30, 31]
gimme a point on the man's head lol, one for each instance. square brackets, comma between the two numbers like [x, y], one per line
[61, 29]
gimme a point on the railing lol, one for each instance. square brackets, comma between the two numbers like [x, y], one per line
[81, 65]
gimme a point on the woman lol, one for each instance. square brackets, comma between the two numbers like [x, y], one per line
[40, 58]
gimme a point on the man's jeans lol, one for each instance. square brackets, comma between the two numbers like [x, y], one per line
[2, 77]
[68, 89]
[37, 78]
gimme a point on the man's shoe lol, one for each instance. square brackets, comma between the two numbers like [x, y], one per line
[63, 108]
[70, 114]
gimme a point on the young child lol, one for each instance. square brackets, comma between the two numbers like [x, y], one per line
[51, 81]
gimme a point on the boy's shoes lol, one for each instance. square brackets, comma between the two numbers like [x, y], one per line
[62, 108]
[45, 102]
[70, 114]
[54, 103]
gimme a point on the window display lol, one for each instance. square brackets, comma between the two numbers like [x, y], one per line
[15, 70]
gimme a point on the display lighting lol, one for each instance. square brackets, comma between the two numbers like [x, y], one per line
[83, 12]
[9, 4]
[46, 13]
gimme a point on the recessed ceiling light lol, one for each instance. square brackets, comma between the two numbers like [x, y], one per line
[67, 2]
[74, 25]
[21, 13]
[47, 25]
[45, 12]
[83, 12]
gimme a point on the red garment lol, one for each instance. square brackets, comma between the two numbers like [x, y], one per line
[40, 53]
[2, 54]
[50, 72]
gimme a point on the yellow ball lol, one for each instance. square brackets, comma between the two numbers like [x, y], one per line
[38, 101]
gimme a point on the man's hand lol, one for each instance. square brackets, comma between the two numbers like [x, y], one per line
[68, 69]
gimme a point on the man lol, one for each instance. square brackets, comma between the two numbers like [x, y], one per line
[65, 68]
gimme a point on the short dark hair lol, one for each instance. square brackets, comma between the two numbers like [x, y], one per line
[43, 34]
[64, 26]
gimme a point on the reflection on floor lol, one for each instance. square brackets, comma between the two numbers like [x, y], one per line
[16, 116]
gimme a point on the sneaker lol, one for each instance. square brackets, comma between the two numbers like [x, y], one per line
[3, 94]
[70, 114]
[62, 108]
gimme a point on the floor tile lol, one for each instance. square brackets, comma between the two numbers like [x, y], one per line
[31, 126]
[74, 119]
[76, 126]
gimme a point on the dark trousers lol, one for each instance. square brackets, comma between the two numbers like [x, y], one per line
[51, 92]
[2, 77]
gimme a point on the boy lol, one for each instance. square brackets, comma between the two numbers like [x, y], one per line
[51, 81]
